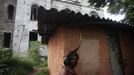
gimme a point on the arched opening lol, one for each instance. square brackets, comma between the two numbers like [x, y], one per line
[34, 12]
[10, 11]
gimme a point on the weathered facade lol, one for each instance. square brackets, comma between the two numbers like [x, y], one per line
[21, 24]
[106, 46]
[7, 20]
[25, 27]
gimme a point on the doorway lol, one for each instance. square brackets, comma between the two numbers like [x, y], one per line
[7, 39]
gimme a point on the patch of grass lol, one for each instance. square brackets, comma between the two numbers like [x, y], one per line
[43, 64]
[13, 65]
[42, 72]
[19, 66]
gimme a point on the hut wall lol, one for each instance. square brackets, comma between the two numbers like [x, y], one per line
[127, 46]
[93, 51]
[55, 52]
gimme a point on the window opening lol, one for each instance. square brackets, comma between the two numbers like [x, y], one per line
[7, 40]
[34, 12]
[10, 11]
[33, 36]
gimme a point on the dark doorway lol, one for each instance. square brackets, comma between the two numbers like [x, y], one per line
[33, 36]
[115, 55]
[7, 40]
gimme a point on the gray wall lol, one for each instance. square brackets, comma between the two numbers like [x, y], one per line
[6, 25]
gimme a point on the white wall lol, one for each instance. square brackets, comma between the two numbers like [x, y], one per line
[84, 7]
[23, 25]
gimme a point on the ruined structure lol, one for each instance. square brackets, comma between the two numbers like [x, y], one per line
[22, 21]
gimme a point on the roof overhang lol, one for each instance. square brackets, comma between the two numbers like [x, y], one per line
[48, 20]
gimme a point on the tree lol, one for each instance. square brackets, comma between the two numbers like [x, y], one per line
[117, 7]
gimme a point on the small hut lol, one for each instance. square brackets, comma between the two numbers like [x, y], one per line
[106, 46]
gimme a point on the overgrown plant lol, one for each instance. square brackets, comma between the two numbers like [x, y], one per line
[34, 52]
[13, 65]
[19, 66]
[5, 54]
[44, 64]
[35, 58]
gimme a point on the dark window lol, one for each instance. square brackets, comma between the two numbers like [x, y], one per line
[10, 11]
[115, 52]
[33, 36]
[34, 10]
[7, 40]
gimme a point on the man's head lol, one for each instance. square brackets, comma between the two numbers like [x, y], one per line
[71, 59]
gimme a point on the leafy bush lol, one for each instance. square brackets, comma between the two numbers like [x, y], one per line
[5, 54]
[13, 65]
[19, 66]
[34, 52]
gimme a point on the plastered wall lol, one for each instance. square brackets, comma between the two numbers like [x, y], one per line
[94, 59]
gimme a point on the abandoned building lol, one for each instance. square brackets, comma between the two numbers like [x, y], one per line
[106, 46]
[7, 20]
[18, 20]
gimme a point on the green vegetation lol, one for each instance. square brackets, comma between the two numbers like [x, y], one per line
[35, 58]
[19, 66]
[5, 54]
[42, 72]
[44, 64]
[34, 52]
[117, 7]
[14, 65]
